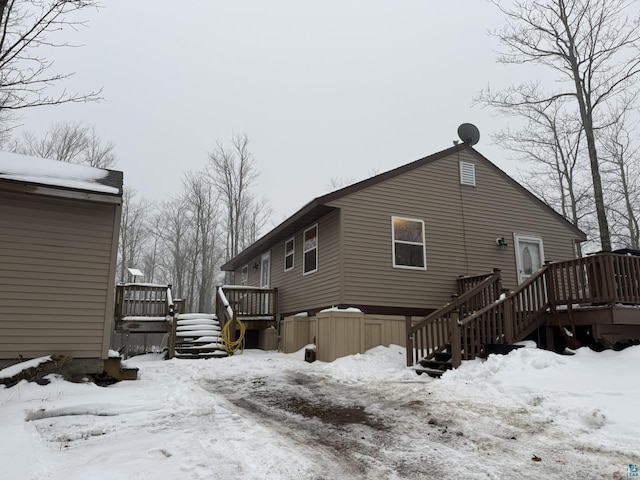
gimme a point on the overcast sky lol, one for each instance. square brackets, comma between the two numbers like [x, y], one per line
[323, 89]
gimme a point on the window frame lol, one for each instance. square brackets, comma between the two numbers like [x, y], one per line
[244, 275]
[394, 241]
[305, 250]
[291, 254]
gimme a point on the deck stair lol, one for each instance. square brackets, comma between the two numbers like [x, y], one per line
[436, 364]
[481, 317]
[484, 318]
[198, 335]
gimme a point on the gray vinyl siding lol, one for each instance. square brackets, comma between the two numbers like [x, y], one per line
[461, 227]
[298, 292]
[57, 266]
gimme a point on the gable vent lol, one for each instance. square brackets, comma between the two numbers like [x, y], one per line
[467, 174]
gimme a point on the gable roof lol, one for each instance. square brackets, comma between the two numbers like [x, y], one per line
[319, 207]
[25, 169]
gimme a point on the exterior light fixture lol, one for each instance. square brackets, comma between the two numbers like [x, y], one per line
[502, 243]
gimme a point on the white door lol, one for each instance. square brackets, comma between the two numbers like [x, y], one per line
[265, 277]
[529, 255]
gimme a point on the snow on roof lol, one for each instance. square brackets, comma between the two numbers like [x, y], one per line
[24, 168]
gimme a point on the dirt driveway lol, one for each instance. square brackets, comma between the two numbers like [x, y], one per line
[387, 430]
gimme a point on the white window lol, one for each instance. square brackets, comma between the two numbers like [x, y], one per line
[310, 250]
[289, 248]
[244, 275]
[408, 243]
[467, 174]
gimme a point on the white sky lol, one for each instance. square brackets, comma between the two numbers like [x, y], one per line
[322, 89]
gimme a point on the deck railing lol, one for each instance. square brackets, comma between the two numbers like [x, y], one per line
[234, 301]
[478, 317]
[144, 300]
[600, 278]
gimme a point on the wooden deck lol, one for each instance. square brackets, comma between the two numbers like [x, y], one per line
[144, 308]
[257, 307]
[601, 291]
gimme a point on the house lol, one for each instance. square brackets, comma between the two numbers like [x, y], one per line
[394, 245]
[59, 226]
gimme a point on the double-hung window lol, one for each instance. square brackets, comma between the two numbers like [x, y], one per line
[310, 250]
[244, 275]
[289, 249]
[408, 243]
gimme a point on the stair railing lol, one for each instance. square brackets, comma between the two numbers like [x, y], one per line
[508, 319]
[433, 333]
[469, 323]
[224, 312]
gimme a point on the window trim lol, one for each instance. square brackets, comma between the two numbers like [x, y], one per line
[467, 174]
[291, 254]
[305, 250]
[244, 280]
[393, 243]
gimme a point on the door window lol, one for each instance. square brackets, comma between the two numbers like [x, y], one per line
[529, 255]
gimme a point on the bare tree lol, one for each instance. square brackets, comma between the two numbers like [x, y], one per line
[623, 183]
[28, 30]
[591, 45]
[71, 142]
[174, 258]
[551, 141]
[337, 182]
[152, 253]
[254, 218]
[97, 154]
[133, 231]
[201, 199]
[233, 173]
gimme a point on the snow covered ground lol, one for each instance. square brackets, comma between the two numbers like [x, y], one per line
[265, 415]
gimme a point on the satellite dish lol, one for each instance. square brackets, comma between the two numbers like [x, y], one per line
[469, 133]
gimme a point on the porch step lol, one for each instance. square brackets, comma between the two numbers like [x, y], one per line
[435, 366]
[198, 335]
[113, 368]
[432, 372]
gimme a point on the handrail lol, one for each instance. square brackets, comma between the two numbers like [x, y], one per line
[467, 282]
[227, 310]
[458, 300]
[503, 320]
[478, 317]
[432, 334]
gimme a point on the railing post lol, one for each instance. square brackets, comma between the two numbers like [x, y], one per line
[498, 290]
[172, 337]
[550, 285]
[508, 319]
[456, 340]
[611, 279]
[119, 298]
[408, 328]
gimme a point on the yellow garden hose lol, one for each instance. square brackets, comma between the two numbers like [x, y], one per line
[232, 346]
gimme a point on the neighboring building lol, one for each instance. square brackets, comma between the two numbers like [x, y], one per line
[59, 226]
[394, 244]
